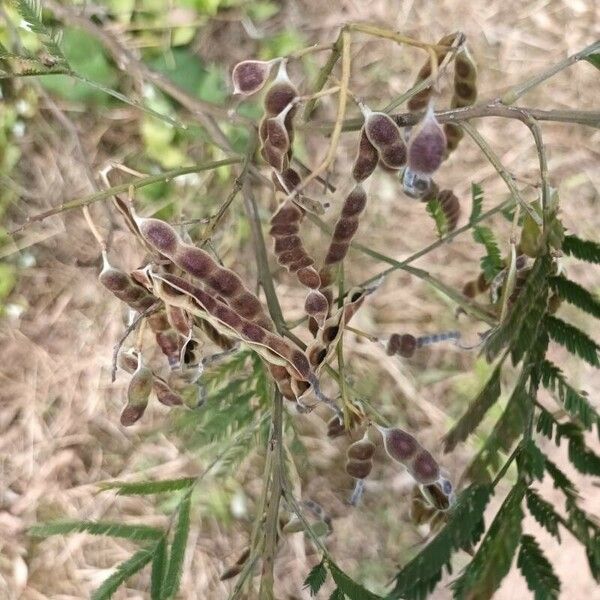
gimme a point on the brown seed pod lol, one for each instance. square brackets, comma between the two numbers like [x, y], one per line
[421, 100]
[454, 134]
[363, 449]
[199, 264]
[280, 93]
[165, 394]
[451, 206]
[316, 306]
[403, 344]
[426, 145]
[249, 76]
[399, 444]
[366, 159]
[335, 427]
[385, 136]
[359, 469]
[465, 79]
[138, 392]
[476, 286]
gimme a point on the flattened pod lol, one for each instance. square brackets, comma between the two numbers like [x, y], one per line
[399, 444]
[366, 160]
[280, 93]
[403, 344]
[249, 76]
[138, 393]
[426, 145]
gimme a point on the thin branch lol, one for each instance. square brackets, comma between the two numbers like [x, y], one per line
[139, 183]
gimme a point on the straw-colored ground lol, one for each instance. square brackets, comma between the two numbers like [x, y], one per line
[59, 429]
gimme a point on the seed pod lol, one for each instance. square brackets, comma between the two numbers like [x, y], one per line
[421, 100]
[138, 393]
[316, 306]
[451, 207]
[423, 467]
[439, 494]
[385, 136]
[165, 394]
[280, 93]
[399, 444]
[335, 427]
[366, 159]
[199, 264]
[465, 79]
[362, 449]
[359, 469]
[420, 512]
[249, 76]
[426, 145]
[453, 134]
[127, 360]
[403, 344]
[276, 141]
[476, 286]
[231, 572]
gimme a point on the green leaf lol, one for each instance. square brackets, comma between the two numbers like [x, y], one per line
[159, 567]
[561, 481]
[491, 263]
[31, 12]
[337, 594]
[143, 488]
[530, 460]
[464, 527]
[574, 401]
[120, 530]
[507, 429]
[592, 552]
[477, 409]
[477, 202]
[483, 575]
[582, 249]
[348, 586]
[316, 578]
[576, 295]
[594, 59]
[434, 209]
[123, 572]
[178, 547]
[538, 572]
[573, 339]
[543, 512]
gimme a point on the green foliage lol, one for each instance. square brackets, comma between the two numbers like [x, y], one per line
[573, 339]
[337, 594]
[594, 59]
[159, 567]
[172, 579]
[434, 209]
[536, 569]
[347, 586]
[491, 262]
[486, 398]
[464, 527]
[530, 460]
[543, 512]
[316, 578]
[120, 530]
[574, 401]
[477, 202]
[144, 488]
[587, 250]
[576, 295]
[123, 572]
[31, 12]
[493, 558]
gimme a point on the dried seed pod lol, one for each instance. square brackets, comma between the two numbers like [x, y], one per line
[276, 140]
[346, 226]
[426, 145]
[399, 444]
[138, 392]
[359, 469]
[165, 394]
[249, 76]
[451, 206]
[199, 264]
[280, 93]
[127, 360]
[231, 572]
[473, 288]
[316, 306]
[335, 427]
[421, 100]
[423, 467]
[385, 136]
[439, 494]
[454, 134]
[465, 79]
[366, 159]
[403, 344]
[363, 449]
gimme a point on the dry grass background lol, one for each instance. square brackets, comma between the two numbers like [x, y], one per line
[59, 431]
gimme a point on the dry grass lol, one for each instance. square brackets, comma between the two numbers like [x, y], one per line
[59, 432]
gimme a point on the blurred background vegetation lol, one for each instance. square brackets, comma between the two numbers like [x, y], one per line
[59, 432]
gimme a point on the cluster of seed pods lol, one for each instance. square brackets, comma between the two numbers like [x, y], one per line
[405, 344]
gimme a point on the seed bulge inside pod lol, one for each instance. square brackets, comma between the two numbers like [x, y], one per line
[426, 145]
[399, 444]
[281, 92]
[159, 235]
[366, 159]
[358, 469]
[361, 450]
[249, 76]
[424, 468]
[381, 130]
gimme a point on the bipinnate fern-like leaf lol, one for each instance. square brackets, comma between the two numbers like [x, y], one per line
[537, 570]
